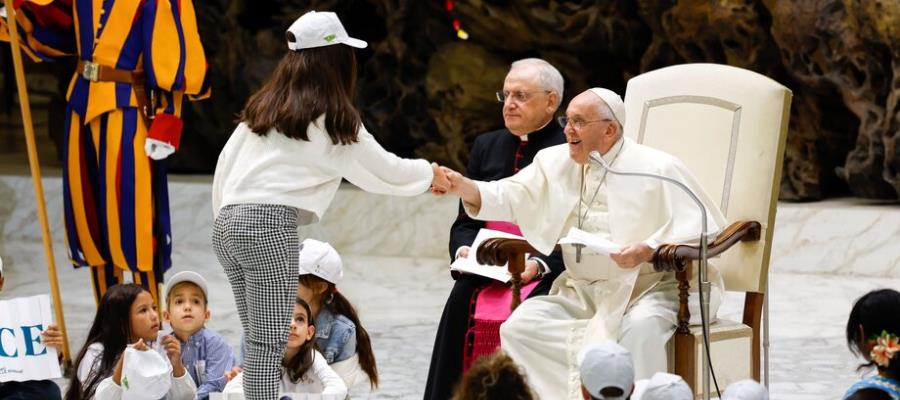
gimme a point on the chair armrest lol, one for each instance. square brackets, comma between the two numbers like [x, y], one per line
[499, 251]
[680, 257]
[675, 257]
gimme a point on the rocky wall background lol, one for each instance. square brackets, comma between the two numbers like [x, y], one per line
[424, 92]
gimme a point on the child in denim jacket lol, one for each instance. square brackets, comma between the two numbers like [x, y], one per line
[339, 335]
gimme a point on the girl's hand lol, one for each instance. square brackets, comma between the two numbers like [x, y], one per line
[52, 337]
[229, 375]
[117, 374]
[140, 345]
[439, 184]
[173, 350]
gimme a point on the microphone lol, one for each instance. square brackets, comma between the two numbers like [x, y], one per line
[704, 291]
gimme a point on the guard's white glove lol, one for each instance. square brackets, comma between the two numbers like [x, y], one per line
[157, 150]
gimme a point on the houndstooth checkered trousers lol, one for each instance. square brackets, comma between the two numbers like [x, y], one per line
[258, 244]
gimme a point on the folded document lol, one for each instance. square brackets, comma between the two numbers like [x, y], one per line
[602, 246]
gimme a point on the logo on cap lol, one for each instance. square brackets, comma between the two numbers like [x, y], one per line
[330, 37]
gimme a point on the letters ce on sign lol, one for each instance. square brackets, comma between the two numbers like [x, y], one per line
[22, 355]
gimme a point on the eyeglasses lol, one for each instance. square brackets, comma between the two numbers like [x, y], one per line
[577, 123]
[518, 96]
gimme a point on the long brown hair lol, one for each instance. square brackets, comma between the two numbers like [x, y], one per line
[112, 329]
[301, 362]
[340, 305]
[306, 84]
[494, 376]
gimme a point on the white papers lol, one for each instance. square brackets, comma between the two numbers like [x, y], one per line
[22, 356]
[591, 241]
[469, 264]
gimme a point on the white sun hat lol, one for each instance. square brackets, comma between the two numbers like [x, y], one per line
[146, 375]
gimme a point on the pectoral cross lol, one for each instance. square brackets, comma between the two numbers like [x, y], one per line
[578, 247]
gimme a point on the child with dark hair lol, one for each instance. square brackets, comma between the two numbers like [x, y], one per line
[305, 369]
[126, 317]
[872, 333]
[495, 376]
[339, 333]
[299, 136]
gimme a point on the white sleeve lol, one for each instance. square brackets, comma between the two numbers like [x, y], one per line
[514, 198]
[183, 388]
[368, 165]
[94, 351]
[332, 383]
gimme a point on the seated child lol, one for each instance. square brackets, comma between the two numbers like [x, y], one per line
[339, 334]
[873, 332]
[607, 371]
[494, 376]
[305, 369]
[204, 353]
[126, 315]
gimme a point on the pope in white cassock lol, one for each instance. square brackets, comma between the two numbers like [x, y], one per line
[598, 297]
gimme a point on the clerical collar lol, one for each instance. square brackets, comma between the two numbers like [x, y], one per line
[549, 126]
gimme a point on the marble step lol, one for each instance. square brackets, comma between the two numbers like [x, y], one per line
[837, 237]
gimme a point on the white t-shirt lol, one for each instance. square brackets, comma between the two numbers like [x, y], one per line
[319, 379]
[275, 169]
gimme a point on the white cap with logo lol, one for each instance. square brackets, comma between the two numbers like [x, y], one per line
[746, 389]
[663, 386]
[322, 260]
[146, 375]
[319, 29]
[606, 365]
[614, 102]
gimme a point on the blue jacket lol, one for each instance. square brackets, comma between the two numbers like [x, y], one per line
[335, 336]
[207, 357]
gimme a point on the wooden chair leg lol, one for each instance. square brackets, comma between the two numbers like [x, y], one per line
[685, 353]
[753, 304]
[686, 360]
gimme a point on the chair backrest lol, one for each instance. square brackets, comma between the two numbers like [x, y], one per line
[728, 125]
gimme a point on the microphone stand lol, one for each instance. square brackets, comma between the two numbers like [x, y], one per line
[704, 278]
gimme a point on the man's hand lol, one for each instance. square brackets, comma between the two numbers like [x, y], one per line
[632, 255]
[463, 252]
[52, 337]
[455, 179]
[173, 350]
[531, 270]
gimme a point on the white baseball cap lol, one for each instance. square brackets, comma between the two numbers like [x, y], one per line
[663, 386]
[606, 365]
[322, 260]
[747, 389]
[614, 102]
[187, 276]
[146, 375]
[319, 29]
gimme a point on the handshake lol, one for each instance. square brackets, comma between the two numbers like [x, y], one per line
[445, 180]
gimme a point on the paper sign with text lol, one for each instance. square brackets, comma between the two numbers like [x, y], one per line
[23, 356]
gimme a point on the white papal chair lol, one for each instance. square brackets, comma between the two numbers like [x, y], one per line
[728, 125]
